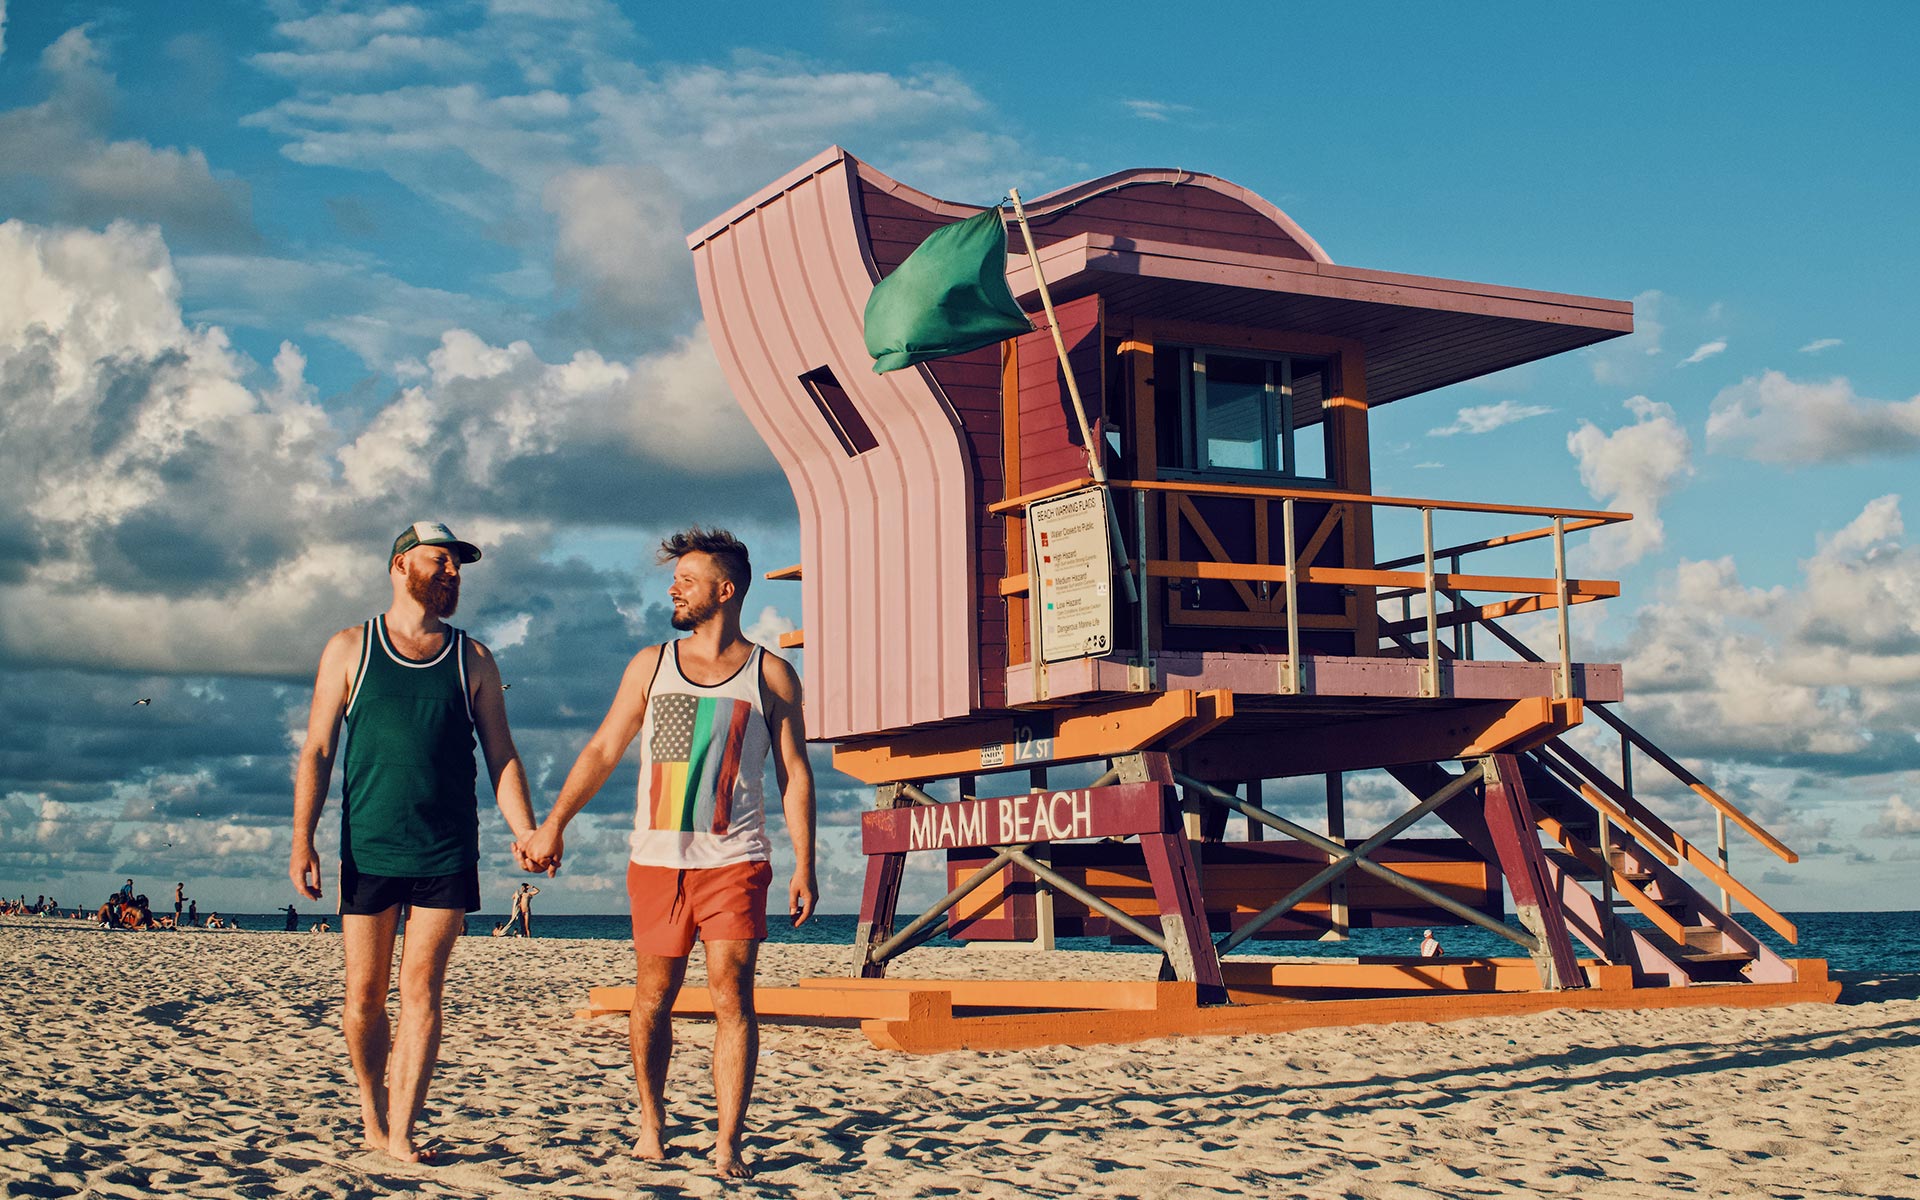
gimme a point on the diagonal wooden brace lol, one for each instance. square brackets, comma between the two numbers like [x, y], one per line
[1536, 901]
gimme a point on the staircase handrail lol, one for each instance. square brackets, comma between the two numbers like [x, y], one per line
[1732, 811]
[1690, 852]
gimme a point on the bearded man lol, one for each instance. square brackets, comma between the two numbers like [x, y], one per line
[414, 693]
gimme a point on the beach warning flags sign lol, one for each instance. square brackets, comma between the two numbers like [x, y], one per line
[950, 296]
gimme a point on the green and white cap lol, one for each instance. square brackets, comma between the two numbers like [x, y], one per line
[432, 533]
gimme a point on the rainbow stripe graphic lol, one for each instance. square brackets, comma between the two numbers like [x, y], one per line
[695, 751]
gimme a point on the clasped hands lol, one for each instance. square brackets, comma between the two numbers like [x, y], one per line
[539, 851]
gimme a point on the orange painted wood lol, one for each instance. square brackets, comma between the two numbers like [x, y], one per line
[1412, 974]
[792, 572]
[793, 638]
[1097, 730]
[843, 999]
[1105, 1027]
[1277, 573]
[1125, 994]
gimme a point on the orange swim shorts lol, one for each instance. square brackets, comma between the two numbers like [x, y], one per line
[725, 904]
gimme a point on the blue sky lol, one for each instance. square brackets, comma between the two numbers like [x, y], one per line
[294, 274]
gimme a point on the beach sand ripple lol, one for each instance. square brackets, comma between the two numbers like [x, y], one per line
[200, 1064]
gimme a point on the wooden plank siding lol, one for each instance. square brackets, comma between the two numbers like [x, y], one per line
[1050, 447]
[1182, 214]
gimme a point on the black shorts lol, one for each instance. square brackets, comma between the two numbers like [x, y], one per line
[365, 895]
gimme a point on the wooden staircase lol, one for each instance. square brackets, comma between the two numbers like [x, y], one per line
[1616, 863]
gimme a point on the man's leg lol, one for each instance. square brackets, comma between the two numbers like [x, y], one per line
[416, 1047]
[650, 1036]
[736, 1047]
[369, 948]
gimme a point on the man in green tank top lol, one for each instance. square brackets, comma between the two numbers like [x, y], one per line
[415, 694]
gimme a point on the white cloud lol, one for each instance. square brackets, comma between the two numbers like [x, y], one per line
[1827, 667]
[619, 233]
[768, 626]
[339, 43]
[1485, 418]
[1898, 819]
[1634, 468]
[1819, 344]
[56, 163]
[1155, 110]
[156, 490]
[1622, 361]
[1772, 418]
[1705, 351]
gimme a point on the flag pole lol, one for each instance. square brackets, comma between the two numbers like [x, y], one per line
[1094, 449]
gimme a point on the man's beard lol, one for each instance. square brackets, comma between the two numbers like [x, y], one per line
[438, 594]
[695, 615]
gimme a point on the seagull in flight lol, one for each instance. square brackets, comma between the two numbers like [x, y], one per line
[505, 686]
[143, 700]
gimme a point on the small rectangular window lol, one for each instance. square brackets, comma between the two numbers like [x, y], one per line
[1246, 413]
[837, 410]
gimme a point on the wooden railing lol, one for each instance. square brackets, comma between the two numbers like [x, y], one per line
[1614, 799]
[1253, 582]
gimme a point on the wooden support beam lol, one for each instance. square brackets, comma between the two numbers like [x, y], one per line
[1471, 731]
[1510, 822]
[1095, 1027]
[1100, 730]
[880, 896]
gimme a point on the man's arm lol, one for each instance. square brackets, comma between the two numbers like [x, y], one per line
[314, 773]
[496, 745]
[597, 759]
[795, 776]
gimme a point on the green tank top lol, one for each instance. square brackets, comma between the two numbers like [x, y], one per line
[409, 781]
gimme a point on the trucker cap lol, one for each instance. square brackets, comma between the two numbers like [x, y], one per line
[432, 533]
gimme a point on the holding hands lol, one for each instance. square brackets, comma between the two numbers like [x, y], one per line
[540, 850]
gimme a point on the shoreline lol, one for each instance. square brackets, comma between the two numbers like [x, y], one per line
[214, 1067]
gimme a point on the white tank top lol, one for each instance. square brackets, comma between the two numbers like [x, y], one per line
[703, 757]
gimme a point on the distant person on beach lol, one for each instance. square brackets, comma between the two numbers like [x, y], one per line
[414, 693]
[179, 898]
[707, 709]
[293, 918]
[499, 929]
[1429, 945]
[214, 921]
[193, 912]
[126, 890]
[523, 907]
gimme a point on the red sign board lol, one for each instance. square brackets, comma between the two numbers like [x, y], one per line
[1048, 816]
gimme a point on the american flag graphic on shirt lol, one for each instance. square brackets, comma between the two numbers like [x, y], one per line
[696, 761]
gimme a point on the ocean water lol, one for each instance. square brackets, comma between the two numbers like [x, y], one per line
[1875, 942]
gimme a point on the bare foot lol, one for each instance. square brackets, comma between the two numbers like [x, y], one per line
[403, 1149]
[648, 1146]
[729, 1163]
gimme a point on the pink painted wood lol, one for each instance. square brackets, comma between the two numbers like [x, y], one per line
[887, 536]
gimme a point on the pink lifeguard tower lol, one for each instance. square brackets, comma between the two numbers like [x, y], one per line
[1084, 695]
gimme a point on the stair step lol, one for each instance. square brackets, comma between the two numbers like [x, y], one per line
[1716, 956]
[1704, 937]
[1620, 901]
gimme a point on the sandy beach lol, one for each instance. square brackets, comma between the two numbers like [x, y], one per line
[210, 1064]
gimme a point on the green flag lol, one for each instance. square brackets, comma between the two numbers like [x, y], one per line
[949, 297]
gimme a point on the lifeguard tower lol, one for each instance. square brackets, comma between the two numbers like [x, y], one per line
[1084, 696]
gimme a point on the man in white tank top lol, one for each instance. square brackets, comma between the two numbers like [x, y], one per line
[708, 709]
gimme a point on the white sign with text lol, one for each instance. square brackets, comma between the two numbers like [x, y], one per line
[1070, 571]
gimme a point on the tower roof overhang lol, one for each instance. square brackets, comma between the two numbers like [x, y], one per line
[1419, 332]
